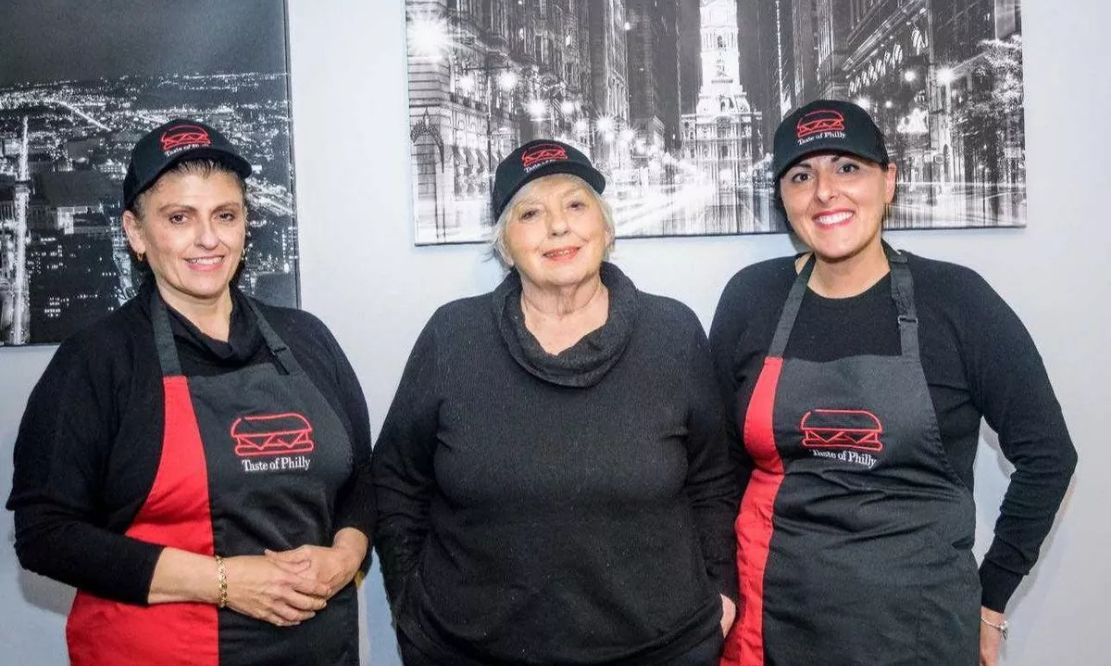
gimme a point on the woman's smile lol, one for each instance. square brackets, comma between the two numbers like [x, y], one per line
[562, 254]
[833, 218]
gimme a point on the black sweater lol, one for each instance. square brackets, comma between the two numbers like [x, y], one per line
[978, 360]
[90, 440]
[569, 509]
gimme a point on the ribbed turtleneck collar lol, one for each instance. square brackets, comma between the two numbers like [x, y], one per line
[244, 336]
[588, 360]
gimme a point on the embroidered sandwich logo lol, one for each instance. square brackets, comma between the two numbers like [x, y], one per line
[849, 435]
[820, 124]
[822, 120]
[841, 429]
[277, 437]
[541, 154]
[182, 136]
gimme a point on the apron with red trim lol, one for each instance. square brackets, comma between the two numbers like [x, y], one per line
[854, 532]
[250, 459]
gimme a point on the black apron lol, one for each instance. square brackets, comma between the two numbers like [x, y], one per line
[854, 533]
[251, 459]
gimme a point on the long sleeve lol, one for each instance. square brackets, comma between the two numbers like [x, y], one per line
[327, 366]
[403, 472]
[356, 505]
[728, 326]
[1010, 386]
[61, 454]
[514, 499]
[711, 478]
[978, 359]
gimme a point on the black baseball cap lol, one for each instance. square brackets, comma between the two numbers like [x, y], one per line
[168, 144]
[537, 158]
[827, 125]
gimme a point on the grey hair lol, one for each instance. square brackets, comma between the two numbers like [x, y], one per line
[498, 247]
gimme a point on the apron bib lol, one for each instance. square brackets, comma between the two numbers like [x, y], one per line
[854, 532]
[250, 459]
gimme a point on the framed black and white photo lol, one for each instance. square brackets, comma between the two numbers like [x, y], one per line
[80, 82]
[676, 101]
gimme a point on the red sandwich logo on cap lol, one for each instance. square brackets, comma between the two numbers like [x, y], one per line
[822, 120]
[179, 136]
[272, 435]
[541, 153]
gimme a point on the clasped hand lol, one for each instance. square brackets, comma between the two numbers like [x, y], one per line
[288, 587]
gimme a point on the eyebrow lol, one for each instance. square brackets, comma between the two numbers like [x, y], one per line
[187, 207]
[575, 189]
[835, 157]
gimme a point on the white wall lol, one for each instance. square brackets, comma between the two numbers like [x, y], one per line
[362, 275]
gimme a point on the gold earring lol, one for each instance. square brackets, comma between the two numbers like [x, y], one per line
[140, 255]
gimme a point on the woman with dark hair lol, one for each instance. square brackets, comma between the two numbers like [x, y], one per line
[857, 376]
[196, 464]
[553, 484]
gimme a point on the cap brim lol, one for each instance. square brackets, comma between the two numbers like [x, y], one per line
[237, 163]
[232, 160]
[830, 146]
[592, 176]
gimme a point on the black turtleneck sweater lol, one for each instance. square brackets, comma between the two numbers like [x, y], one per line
[567, 509]
[90, 440]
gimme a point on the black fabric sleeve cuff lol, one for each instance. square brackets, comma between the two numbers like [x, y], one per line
[144, 562]
[357, 506]
[358, 510]
[997, 585]
[726, 580]
[89, 558]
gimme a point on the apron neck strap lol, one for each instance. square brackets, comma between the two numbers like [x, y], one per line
[274, 342]
[902, 292]
[164, 336]
[791, 309]
[167, 349]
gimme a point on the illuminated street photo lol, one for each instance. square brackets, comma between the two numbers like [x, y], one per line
[676, 102]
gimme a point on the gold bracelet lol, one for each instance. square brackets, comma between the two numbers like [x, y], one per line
[1001, 628]
[222, 579]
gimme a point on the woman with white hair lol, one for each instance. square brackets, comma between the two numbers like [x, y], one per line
[552, 478]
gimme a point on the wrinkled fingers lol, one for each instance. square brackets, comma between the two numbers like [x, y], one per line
[311, 588]
[303, 602]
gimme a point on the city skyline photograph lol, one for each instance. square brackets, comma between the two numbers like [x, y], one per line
[676, 102]
[72, 107]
